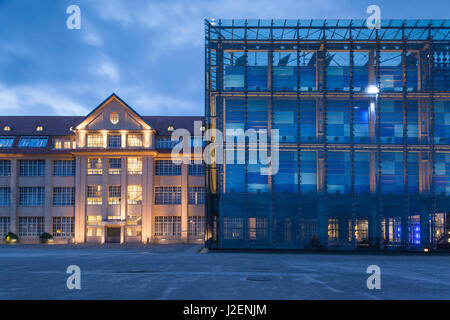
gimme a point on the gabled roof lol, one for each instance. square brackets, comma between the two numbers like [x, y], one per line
[104, 103]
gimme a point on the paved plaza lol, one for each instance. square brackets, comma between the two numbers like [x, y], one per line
[181, 272]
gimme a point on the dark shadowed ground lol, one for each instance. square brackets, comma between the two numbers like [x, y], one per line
[179, 272]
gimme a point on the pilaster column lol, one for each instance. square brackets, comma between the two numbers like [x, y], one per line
[123, 189]
[147, 199]
[13, 192]
[184, 201]
[80, 204]
[48, 195]
[105, 188]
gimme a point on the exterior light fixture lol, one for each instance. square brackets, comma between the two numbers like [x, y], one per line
[372, 89]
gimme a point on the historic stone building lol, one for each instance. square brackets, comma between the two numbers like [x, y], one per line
[103, 178]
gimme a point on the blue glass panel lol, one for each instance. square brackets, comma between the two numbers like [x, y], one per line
[338, 172]
[442, 173]
[286, 178]
[308, 121]
[392, 173]
[338, 121]
[285, 119]
[362, 172]
[391, 121]
[308, 171]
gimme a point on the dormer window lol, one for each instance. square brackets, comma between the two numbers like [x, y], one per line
[6, 128]
[39, 128]
[114, 118]
[170, 128]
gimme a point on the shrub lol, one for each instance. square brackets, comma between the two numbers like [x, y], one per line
[11, 238]
[45, 237]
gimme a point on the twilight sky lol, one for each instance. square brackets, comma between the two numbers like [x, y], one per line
[149, 52]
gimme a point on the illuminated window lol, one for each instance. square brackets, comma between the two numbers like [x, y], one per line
[95, 141]
[170, 128]
[333, 230]
[361, 230]
[94, 195]
[134, 220]
[114, 195]
[114, 118]
[258, 228]
[134, 165]
[95, 166]
[39, 128]
[6, 128]
[99, 232]
[134, 194]
[115, 166]
[93, 220]
[90, 232]
[63, 143]
[114, 218]
[135, 140]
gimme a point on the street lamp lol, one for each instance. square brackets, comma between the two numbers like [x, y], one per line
[372, 89]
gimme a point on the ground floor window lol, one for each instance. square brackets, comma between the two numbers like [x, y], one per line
[233, 228]
[134, 231]
[333, 230]
[31, 226]
[167, 226]
[258, 228]
[5, 223]
[93, 232]
[63, 227]
[361, 230]
[196, 225]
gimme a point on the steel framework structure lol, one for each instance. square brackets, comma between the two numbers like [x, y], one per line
[428, 40]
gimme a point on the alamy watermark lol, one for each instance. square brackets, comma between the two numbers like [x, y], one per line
[235, 146]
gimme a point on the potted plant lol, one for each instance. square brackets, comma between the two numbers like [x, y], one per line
[46, 237]
[11, 238]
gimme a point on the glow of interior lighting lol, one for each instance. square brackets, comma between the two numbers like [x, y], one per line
[373, 89]
[426, 249]
[372, 107]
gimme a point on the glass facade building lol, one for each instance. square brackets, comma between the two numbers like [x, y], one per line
[364, 133]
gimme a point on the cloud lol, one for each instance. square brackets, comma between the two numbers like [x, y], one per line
[37, 100]
[109, 70]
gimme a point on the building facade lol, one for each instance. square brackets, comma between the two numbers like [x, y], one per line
[364, 124]
[104, 178]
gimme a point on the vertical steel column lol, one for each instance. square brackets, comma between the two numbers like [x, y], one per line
[432, 140]
[406, 199]
[246, 145]
[300, 222]
[378, 150]
[352, 147]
